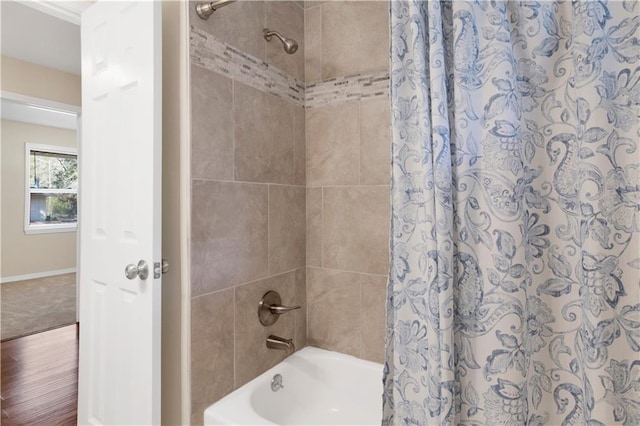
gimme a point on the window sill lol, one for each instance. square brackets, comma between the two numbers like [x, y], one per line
[50, 229]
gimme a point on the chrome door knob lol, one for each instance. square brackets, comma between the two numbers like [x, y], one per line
[141, 270]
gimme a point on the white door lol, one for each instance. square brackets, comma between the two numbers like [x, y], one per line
[120, 211]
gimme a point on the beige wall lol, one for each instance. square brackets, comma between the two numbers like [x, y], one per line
[40, 82]
[24, 254]
[32, 80]
[348, 174]
[174, 40]
[248, 206]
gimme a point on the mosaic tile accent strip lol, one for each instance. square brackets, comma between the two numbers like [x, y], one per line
[219, 57]
[350, 88]
[226, 60]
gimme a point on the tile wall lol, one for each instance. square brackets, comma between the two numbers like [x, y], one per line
[247, 193]
[348, 174]
[290, 185]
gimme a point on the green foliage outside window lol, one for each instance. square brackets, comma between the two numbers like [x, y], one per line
[57, 172]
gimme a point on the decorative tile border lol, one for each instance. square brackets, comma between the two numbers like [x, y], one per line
[223, 59]
[219, 57]
[349, 88]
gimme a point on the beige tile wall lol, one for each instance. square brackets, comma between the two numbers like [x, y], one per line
[348, 173]
[276, 188]
[240, 25]
[345, 38]
[248, 206]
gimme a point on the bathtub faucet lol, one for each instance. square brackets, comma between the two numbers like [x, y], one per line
[275, 342]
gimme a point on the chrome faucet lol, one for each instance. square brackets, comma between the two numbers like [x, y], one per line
[275, 342]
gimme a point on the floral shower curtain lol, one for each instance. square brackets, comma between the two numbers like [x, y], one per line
[514, 288]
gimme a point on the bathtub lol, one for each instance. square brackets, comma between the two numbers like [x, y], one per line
[320, 388]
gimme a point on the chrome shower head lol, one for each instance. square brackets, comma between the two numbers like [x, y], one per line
[289, 44]
[204, 10]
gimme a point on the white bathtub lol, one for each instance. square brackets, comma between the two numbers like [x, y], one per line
[320, 388]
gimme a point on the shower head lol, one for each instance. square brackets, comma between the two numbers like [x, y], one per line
[204, 10]
[289, 44]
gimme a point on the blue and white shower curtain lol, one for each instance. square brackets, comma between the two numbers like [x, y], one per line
[514, 288]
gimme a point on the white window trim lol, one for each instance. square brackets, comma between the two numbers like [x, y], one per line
[51, 228]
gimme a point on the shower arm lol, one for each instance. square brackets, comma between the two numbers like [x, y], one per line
[204, 10]
[289, 44]
[268, 34]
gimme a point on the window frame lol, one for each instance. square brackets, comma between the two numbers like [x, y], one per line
[45, 228]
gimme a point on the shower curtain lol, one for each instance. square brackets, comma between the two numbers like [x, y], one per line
[514, 286]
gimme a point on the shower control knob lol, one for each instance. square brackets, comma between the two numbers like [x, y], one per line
[270, 308]
[141, 270]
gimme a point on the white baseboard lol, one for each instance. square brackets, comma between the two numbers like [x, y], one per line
[36, 275]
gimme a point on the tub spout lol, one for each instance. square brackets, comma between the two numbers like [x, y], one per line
[275, 342]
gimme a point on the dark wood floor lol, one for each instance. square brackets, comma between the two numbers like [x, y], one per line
[40, 378]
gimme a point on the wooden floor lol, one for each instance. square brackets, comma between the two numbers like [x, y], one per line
[40, 378]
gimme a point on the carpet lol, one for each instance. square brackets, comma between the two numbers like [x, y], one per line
[32, 306]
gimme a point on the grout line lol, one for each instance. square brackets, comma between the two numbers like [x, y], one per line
[249, 183]
[294, 139]
[268, 229]
[321, 49]
[306, 151]
[233, 129]
[234, 286]
[322, 226]
[360, 143]
[361, 348]
[306, 226]
[266, 25]
[348, 271]
[306, 307]
[235, 366]
[378, 185]
[351, 186]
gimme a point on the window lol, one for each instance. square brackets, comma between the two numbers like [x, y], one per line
[52, 189]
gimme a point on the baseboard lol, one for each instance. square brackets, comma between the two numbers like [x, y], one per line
[36, 275]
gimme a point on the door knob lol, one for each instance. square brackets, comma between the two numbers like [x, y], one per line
[141, 270]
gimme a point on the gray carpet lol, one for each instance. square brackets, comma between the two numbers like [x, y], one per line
[37, 305]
